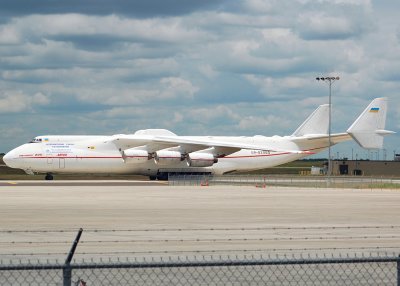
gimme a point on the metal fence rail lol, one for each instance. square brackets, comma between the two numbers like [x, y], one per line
[310, 271]
[283, 181]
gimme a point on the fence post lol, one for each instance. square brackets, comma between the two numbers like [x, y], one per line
[67, 270]
[398, 270]
[67, 274]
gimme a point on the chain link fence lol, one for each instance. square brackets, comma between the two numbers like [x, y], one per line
[227, 271]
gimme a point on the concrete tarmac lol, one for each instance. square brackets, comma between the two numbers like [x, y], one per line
[144, 219]
[64, 183]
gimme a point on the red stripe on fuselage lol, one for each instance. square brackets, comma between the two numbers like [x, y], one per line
[29, 156]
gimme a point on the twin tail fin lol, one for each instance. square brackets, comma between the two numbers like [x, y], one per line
[369, 128]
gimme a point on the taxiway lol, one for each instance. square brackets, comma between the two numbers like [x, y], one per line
[151, 218]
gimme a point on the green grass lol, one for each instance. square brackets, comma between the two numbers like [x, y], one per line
[380, 186]
[291, 168]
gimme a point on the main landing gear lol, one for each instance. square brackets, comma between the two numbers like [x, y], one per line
[160, 177]
[48, 177]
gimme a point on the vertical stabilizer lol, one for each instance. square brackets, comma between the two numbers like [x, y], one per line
[316, 123]
[369, 128]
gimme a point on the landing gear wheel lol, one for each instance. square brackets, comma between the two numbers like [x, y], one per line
[162, 176]
[48, 177]
[152, 178]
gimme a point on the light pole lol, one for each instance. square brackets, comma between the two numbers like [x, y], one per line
[329, 80]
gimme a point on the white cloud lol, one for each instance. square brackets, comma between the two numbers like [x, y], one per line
[178, 117]
[260, 6]
[12, 103]
[9, 35]
[155, 29]
[324, 27]
[17, 101]
[208, 71]
[170, 88]
[278, 87]
[207, 116]
[364, 3]
[12, 131]
[124, 112]
[40, 99]
[259, 122]
[174, 87]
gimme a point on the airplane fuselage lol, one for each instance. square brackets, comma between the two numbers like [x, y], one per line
[97, 154]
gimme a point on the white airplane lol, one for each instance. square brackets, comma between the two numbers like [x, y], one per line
[158, 152]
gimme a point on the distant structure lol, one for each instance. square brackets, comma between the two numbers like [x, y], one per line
[397, 157]
[366, 168]
[318, 170]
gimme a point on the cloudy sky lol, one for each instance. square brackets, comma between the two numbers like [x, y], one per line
[209, 67]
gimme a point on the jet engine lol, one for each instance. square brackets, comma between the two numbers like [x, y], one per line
[201, 160]
[135, 156]
[168, 157]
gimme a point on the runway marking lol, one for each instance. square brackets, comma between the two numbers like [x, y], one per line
[12, 183]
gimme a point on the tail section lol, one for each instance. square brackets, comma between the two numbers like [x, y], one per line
[316, 123]
[369, 128]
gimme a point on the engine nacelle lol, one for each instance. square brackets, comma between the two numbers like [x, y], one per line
[201, 160]
[135, 156]
[168, 157]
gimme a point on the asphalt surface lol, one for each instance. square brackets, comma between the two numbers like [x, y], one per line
[144, 218]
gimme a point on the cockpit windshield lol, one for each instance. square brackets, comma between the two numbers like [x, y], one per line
[36, 140]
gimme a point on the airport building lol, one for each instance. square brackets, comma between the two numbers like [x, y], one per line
[366, 168]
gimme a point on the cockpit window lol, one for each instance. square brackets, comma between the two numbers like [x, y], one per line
[36, 140]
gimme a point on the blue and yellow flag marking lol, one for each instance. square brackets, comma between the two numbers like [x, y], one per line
[374, 109]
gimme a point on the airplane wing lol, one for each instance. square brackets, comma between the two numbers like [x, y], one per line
[155, 143]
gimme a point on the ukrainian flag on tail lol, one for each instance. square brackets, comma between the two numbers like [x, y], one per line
[374, 109]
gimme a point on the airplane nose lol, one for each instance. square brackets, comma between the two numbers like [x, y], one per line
[8, 159]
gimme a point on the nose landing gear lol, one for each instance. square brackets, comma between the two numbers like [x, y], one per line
[48, 177]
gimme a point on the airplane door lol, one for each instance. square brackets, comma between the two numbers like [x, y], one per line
[49, 157]
[61, 163]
